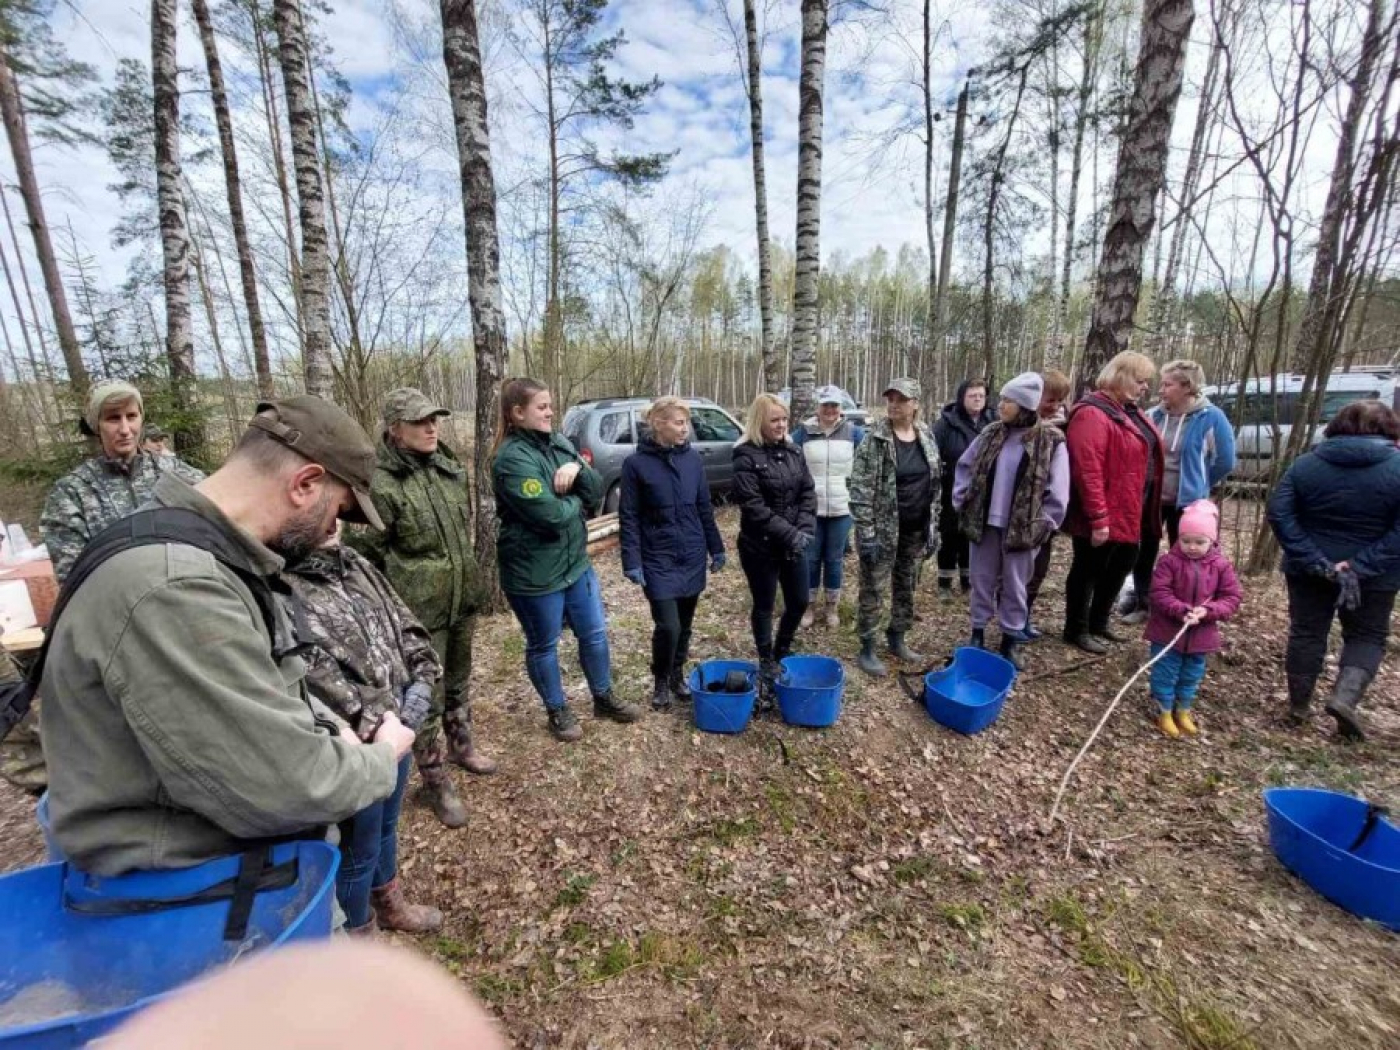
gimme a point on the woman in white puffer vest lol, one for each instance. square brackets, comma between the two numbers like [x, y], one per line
[829, 446]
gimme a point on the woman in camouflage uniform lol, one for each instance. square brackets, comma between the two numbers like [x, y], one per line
[367, 657]
[420, 490]
[894, 500]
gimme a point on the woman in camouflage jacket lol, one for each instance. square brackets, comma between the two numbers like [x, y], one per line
[367, 657]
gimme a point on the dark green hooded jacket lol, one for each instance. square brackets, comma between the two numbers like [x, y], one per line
[542, 537]
[425, 549]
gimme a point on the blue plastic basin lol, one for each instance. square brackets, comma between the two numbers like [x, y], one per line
[1313, 831]
[717, 712]
[809, 690]
[968, 694]
[95, 971]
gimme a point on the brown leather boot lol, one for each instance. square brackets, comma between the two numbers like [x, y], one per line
[442, 798]
[394, 913]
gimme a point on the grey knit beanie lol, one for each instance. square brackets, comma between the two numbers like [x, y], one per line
[1025, 390]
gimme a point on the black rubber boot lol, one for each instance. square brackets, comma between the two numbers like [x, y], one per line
[899, 650]
[608, 706]
[965, 583]
[680, 688]
[867, 661]
[945, 588]
[979, 638]
[1346, 698]
[1011, 650]
[661, 696]
[1300, 696]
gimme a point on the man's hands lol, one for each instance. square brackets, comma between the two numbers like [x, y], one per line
[1099, 537]
[394, 732]
[564, 478]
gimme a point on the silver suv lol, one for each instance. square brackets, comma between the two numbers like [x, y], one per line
[605, 433]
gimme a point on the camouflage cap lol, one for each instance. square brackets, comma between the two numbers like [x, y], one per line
[407, 405]
[155, 432]
[109, 390]
[326, 435]
[905, 387]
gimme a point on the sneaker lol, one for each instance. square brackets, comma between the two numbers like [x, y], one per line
[563, 723]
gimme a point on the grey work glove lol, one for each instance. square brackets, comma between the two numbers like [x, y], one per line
[931, 542]
[415, 705]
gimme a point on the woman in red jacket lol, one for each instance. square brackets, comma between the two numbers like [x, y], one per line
[1116, 464]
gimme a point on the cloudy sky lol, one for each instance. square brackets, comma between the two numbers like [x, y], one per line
[872, 178]
[873, 191]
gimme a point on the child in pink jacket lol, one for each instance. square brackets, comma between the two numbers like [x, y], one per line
[1193, 584]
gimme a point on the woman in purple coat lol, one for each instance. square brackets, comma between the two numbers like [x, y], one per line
[1011, 491]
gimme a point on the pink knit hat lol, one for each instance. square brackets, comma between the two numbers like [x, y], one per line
[1201, 518]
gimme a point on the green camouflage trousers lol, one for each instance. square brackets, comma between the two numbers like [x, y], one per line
[21, 757]
[897, 571]
[449, 722]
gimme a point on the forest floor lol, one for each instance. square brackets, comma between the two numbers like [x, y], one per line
[887, 883]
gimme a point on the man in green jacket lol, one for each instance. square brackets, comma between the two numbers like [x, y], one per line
[425, 550]
[177, 728]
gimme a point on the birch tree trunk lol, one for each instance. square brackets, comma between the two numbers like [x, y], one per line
[1142, 170]
[1093, 37]
[461, 52]
[12, 112]
[261, 362]
[315, 266]
[928, 360]
[174, 230]
[772, 366]
[1163, 307]
[809, 210]
[950, 218]
[279, 163]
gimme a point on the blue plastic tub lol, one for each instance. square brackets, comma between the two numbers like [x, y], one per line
[1318, 835]
[968, 694]
[717, 712]
[67, 978]
[809, 690]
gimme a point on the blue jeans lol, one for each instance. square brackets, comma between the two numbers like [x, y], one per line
[1176, 677]
[826, 551]
[369, 852]
[543, 616]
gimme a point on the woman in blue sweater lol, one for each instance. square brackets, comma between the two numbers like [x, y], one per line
[1337, 516]
[1198, 444]
[668, 525]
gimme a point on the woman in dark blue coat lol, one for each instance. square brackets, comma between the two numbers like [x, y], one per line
[1337, 516]
[668, 526]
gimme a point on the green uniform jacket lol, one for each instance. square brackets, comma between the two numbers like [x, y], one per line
[425, 549]
[542, 537]
[171, 732]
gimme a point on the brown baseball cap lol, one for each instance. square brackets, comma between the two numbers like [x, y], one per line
[325, 434]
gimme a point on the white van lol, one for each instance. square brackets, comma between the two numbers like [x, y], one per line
[1270, 400]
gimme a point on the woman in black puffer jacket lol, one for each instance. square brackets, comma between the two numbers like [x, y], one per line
[778, 518]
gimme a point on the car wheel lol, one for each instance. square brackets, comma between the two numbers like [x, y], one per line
[613, 499]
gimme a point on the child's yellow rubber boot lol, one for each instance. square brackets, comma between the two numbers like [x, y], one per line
[1185, 722]
[1168, 725]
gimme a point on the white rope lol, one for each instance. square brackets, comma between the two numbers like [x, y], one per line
[1059, 795]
